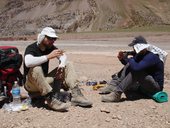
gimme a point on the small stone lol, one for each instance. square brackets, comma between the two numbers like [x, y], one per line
[116, 117]
[105, 110]
[168, 122]
[153, 107]
[107, 119]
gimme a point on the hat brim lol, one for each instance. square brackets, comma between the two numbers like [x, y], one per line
[131, 44]
[52, 35]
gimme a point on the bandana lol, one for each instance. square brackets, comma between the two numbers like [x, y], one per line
[161, 53]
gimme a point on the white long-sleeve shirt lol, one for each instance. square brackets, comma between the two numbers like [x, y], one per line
[32, 61]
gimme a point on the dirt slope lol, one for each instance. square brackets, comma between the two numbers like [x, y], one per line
[24, 17]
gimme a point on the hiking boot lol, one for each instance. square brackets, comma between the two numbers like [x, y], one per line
[112, 97]
[54, 102]
[111, 86]
[107, 89]
[78, 98]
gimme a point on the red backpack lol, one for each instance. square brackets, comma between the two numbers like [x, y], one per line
[10, 63]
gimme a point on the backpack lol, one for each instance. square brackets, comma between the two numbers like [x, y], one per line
[10, 63]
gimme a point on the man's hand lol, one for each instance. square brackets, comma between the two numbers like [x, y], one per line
[55, 53]
[120, 55]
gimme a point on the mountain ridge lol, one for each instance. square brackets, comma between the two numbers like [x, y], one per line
[26, 17]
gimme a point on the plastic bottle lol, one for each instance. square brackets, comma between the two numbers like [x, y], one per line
[16, 105]
[16, 93]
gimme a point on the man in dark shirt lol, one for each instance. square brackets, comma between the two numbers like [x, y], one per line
[144, 70]
[39, 82]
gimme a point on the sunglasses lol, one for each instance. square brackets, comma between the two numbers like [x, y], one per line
[51, 38]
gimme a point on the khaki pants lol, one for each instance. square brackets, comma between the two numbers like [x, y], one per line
[37, 84]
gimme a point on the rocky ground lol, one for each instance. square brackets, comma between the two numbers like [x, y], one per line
[94, 57]
[26, 17]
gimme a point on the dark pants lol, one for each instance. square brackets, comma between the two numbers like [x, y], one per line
[128, 80]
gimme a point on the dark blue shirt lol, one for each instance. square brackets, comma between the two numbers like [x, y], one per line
[150, 63]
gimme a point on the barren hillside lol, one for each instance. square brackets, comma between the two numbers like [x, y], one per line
[25, 17]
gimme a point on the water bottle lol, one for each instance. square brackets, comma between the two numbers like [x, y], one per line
[16, 93]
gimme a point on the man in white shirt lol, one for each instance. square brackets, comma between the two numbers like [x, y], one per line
[36, 65]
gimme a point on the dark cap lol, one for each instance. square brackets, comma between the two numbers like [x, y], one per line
[138, 40]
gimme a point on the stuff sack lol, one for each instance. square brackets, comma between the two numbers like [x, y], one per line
[10, 63]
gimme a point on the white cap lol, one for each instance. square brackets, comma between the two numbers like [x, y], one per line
[48, 31]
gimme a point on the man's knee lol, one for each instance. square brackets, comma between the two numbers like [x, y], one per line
[69, 64]
[35, 72]
[37, 69]
[149, 79]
